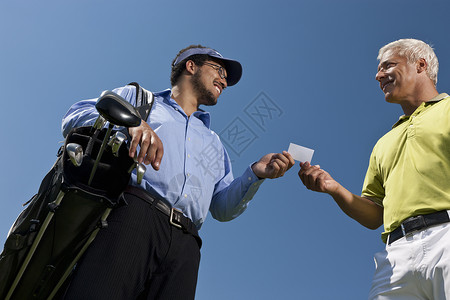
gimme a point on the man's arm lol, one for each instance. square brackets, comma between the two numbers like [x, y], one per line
[361, 209]
[83, 113]
[231, 197]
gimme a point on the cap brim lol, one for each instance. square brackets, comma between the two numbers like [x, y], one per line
[234, 70]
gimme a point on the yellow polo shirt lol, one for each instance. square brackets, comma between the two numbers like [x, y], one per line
[409, 168]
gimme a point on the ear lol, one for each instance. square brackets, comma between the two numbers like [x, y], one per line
[421, 65]
[191, 67]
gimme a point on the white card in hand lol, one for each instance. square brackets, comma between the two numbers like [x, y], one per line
[300, 153]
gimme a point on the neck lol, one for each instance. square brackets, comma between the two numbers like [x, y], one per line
[185, 98]
[423, 93]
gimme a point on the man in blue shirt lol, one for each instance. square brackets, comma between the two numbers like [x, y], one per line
[151, 248]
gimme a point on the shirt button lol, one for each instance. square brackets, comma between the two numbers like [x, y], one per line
[249, 179]
[185, 195]
[189, 156]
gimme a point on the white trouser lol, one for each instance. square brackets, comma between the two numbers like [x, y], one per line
[414, 267]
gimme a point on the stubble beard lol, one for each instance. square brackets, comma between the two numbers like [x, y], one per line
[205, 96]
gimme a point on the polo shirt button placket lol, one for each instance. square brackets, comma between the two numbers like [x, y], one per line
[411, 131]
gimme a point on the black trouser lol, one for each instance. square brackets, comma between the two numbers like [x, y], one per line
[138, 256]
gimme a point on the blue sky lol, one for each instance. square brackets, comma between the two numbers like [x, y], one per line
[312, 62]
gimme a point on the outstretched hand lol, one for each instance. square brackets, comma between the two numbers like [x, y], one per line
[316, 179]
[152, 149]
[273, 165]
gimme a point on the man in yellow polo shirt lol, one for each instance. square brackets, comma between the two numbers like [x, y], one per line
[407, 185]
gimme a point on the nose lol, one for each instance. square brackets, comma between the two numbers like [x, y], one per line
[380, 75]
[224, 82]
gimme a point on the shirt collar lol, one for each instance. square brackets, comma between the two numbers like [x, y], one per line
[442, 96]
[438, 98]
[203, 116]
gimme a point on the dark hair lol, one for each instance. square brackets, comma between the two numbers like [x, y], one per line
[178, 69]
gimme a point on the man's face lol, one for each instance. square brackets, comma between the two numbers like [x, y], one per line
[208, 84]
[397, 78]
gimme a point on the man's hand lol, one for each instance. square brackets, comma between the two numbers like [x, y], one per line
[362, 209]
[152, 149]
[273, 165]
[316, 179]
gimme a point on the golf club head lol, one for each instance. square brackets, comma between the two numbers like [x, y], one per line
[117, 110]
[140, 171]
[99, 123]
[116, 142]
[75, 152]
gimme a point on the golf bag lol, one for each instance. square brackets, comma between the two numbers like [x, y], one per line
[72, 204]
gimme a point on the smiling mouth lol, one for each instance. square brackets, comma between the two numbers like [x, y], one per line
[385, 85]
[218, 88]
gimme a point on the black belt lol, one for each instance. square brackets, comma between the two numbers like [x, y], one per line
[176, 217]
[418, 223]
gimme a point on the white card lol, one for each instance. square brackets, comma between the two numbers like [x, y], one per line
[300, 153]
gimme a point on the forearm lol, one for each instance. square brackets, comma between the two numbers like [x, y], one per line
[361, 209]
[232, 200]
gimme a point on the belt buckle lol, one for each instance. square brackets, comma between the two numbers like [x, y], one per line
[414, 225]
[172, 222]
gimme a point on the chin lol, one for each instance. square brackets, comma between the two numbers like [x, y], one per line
[211, 99]
[211, 102]
[389, 97]
[392, 99]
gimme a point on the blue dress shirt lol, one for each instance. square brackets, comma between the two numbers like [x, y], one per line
[195, 172]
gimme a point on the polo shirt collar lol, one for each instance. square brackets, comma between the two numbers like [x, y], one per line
[438, 98]
[442, 96]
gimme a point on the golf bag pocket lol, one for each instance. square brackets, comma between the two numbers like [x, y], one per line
[112, 173]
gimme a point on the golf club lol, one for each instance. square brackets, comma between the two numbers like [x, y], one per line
[99, 123]
[140, 171]
[117, 111]
[75, 152]
[116, 142]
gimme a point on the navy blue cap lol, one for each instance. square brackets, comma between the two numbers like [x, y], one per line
[233, 67]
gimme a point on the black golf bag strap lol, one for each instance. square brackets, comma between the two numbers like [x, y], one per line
[144, 101]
